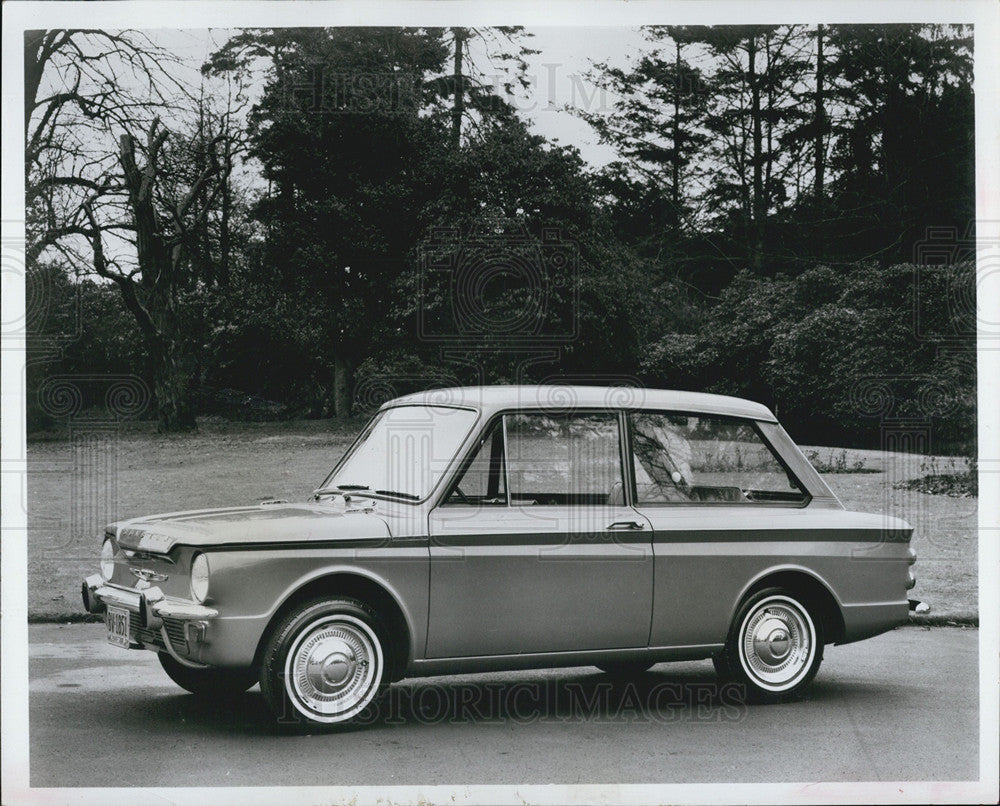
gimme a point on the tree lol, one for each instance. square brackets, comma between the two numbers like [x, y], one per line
[133, 211]
[168, 212]
[475, 93]
[344, 130]
[73, 98]
[708, 121]
[656, 124]
[753, 108]
[820, 124]
[520, 259]
[904, 151]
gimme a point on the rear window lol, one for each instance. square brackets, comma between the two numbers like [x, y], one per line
[687, 458]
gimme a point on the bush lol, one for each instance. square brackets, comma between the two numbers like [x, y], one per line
[76, 330]
[840, 352]
[382, 377]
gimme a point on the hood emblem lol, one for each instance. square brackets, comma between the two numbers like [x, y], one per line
[147, 576]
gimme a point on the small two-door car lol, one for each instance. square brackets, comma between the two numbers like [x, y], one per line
[514, 527]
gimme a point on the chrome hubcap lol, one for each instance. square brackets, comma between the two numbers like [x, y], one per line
[333, 669]
[778, 643]
[771, 641]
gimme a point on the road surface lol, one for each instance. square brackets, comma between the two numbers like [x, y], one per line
[899, 707]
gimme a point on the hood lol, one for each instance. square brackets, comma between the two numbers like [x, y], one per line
[261, 523]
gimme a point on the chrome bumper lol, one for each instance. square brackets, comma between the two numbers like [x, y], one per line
[149, 608]
[148, 605]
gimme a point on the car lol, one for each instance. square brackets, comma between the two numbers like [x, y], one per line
[497, 528]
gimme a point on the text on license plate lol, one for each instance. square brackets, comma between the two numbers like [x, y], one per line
[118, 622]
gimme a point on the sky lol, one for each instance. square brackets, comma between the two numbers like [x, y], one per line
[565, 56]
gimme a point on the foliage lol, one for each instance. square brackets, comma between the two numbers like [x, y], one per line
[766, 231]
[838, 463]
[797, 145]
[79, 329]
[904, 143]
[342, 141]
[952, 480]
[839, 352]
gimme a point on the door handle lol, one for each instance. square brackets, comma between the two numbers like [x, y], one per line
[634, 525]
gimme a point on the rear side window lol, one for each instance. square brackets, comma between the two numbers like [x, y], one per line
[686, 458]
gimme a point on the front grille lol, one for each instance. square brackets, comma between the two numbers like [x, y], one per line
[144, 636]
[175, 630]
[178, 638]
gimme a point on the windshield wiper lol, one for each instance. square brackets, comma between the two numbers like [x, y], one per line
[340, 489]
[363, 489]
[408, 496]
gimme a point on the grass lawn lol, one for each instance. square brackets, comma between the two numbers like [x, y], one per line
[945, 529]
[77, 484]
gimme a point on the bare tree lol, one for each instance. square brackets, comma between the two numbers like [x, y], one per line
[168, 217]
[134, 210]
[79, 85]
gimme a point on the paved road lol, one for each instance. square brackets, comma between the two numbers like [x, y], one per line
[899, 707]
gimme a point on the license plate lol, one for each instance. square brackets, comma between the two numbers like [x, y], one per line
[118, 623]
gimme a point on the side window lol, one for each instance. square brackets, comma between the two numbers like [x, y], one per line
[564, 459]
[483, 481]
[705, 458]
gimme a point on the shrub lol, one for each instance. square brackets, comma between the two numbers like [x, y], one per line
[840, 351]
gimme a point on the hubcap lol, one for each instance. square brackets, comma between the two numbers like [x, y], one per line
[333, 668]
[777, 643]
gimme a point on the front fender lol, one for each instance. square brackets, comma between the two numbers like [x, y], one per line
[248, 587]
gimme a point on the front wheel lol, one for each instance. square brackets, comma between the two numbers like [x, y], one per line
[208, 682]
[324, 663]
[774, 647]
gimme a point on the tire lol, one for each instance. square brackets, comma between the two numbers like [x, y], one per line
[774, 647]
[625, 668]
[325, 663]
[208, 682]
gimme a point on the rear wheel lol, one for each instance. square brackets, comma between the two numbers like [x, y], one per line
[208, 682]
[625, 668]
[325, 663]
[775, 645]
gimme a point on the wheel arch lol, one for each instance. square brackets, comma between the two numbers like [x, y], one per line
[355, 584]
[811, 587]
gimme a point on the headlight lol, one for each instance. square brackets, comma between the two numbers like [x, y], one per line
[199, 578]
[107, 559]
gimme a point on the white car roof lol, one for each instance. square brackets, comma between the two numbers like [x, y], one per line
[489, 399]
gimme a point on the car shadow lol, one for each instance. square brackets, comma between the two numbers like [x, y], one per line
[662, 695]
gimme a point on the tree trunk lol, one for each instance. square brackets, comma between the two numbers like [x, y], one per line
[342, 382]
[675, 188]
[170, 386]
[458, 107]
[820, 118]
[34, 66]
[757, 212]
[226, 212]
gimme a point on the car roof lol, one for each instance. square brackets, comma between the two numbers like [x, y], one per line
[558, 397]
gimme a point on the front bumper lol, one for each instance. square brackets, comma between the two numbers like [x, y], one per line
[179, 626]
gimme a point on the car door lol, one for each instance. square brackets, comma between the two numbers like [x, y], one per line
[533, 548]
[723, 508]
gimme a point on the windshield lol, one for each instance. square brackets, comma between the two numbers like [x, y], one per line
[404, 452]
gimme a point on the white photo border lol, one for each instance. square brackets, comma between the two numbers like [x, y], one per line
[21, 16]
